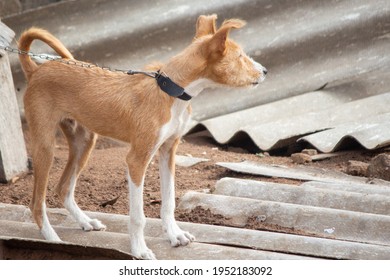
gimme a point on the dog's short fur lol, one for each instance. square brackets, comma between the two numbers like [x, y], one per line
[85, 102]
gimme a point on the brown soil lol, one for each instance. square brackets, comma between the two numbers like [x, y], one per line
[102, 185]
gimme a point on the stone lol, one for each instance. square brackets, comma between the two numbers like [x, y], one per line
[301, 158]
[379, 167]
[357, 168]
[310, 152]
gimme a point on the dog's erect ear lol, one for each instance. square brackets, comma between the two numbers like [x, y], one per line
[206, 25]
[218, 41]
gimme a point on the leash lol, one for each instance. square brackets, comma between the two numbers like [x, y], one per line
[163, 81]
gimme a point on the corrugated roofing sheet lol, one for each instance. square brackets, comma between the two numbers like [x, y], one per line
[338, 46]
[305, 209]
[371, 133]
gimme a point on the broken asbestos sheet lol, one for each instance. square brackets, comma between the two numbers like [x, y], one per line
[305, 173]
[187, 161]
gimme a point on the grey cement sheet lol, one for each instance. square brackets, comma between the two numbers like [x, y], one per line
[119, 239]
[233, 237]
[304, 173]
[328, 198]
[371, 132]
[308, 220]
[340, 47]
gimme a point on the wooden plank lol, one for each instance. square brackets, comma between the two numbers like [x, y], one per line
[6, 34]
[13, 155]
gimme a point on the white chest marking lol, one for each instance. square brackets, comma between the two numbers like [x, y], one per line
[179, 113]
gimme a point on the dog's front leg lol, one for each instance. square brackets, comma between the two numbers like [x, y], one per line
[137, 162]
[176, 236]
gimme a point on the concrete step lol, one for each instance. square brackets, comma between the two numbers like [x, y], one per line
[235, 238]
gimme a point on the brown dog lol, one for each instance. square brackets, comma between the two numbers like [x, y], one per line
[85, 102]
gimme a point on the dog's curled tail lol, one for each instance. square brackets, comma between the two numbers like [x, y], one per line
[25, 41]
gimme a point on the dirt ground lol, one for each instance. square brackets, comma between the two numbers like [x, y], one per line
[102, 186]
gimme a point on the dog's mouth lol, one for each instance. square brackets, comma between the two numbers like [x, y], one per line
[262, 72]
[258, 81]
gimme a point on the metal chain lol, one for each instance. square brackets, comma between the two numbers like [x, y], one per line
[73, 62]
[163, 81]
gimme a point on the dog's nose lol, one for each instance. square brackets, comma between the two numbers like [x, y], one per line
[265, 71]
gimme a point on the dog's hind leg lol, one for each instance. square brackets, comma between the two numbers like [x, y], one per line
[81, 143]
[42, 135]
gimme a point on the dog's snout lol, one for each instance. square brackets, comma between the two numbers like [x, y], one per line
[260, 68]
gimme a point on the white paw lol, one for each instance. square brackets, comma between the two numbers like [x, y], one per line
[48, 232]
[141, 251]
[147, 255]
[50, 235]
[97, 225]
[181, 238]
[93, 224]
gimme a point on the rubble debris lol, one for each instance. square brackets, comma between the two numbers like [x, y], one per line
[379, 167]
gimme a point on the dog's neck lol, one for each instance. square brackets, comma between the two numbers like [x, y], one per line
[187, 70]
[197, 86]
[192, 82]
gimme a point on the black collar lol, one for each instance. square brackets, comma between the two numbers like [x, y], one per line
[166, 84]
[171, 88]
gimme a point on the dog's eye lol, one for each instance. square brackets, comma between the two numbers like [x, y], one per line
[240, 55]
